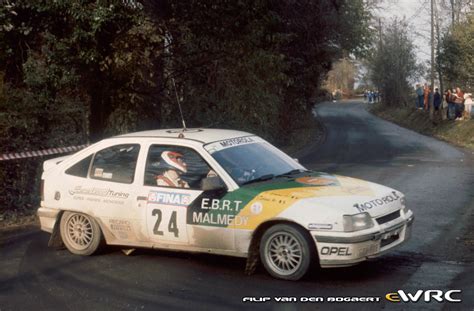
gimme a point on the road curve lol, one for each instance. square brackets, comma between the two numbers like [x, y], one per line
[437, 179]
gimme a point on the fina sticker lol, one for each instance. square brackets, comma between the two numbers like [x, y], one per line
[169, 198]
[107, 175]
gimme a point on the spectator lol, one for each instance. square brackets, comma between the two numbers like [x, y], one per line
[430, 97]
[419, 96]
[468, 104]
[426, 97]
[436, 100]
[459, 101]
[451, 106]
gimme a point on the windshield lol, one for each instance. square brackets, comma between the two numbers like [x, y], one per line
[248, 159]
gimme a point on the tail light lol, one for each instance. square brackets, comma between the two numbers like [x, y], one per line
[42, 189]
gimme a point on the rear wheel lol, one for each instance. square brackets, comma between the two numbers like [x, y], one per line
[285, 251]
[80, 233]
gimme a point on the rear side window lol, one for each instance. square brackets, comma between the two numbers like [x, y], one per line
[116, 163]
[81, 168]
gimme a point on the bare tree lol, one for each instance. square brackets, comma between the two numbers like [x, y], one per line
[456, 8]
[342, 76]
[393, 64]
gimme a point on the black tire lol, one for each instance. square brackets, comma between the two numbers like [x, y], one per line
[286, 252]
[80, 233]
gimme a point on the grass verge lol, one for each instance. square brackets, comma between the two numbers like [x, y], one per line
[460, 133]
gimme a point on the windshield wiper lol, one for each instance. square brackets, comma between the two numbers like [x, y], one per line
[261, 178]
[292, 172]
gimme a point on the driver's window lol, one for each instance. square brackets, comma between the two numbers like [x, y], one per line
[177, 167]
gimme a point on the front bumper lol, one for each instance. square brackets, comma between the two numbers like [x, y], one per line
[347, 249]
[48, 217]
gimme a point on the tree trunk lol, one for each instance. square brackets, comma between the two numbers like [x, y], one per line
[99, 108]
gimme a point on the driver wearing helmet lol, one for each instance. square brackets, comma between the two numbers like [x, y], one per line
[174, 167]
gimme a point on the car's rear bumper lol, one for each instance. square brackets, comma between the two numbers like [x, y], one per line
[48, 217]
[340, 251]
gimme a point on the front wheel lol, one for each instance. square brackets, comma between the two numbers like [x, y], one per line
[285, 251]
[80, 233]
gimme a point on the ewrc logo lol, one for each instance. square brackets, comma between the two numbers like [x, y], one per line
[424, 295]
[169, 198]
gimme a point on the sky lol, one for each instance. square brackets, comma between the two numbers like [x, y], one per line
[417, 14]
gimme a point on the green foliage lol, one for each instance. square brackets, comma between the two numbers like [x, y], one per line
[456, 58]
[393, 63]
[77, 71]
[315, 34]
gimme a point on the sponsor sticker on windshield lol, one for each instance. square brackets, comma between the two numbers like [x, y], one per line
[232, 142]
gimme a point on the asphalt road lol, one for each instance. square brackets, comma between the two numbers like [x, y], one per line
[437, 179]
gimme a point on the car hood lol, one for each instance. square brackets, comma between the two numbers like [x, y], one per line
[322, 197]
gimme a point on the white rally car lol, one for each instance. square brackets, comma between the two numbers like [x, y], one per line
[217, 191]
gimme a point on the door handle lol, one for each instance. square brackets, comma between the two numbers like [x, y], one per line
[142, 198]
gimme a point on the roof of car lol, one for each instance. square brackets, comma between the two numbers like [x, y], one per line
[200, 134]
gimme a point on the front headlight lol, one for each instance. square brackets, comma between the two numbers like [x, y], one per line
[357, 222]
[404, 206]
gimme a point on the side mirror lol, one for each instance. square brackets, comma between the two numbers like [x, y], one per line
[212, 183]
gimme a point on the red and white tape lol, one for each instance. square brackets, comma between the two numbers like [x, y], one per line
[39, 153]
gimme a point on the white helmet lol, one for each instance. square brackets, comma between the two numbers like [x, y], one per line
[171, 160]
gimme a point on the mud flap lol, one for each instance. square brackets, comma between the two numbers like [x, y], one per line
[55, 240]
[252, 259]
[251, 265]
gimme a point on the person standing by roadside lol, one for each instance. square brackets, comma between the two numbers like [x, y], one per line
[449, 99]
[459, 101]
[419, 96]
[468, 104]
[436, 100]
[426, 97]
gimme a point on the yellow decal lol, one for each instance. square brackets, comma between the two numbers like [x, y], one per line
[270, 204]
[393, 297]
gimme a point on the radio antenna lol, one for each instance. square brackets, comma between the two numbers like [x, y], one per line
[179, 104]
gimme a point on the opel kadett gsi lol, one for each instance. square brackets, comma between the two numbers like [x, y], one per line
[217, 191]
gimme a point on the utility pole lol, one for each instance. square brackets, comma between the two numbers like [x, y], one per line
[380, 32]
[432, 57]
[432, 43]
[438, 47]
